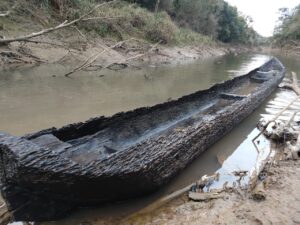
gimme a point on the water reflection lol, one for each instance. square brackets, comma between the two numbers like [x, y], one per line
[245, 67]
[33, 100]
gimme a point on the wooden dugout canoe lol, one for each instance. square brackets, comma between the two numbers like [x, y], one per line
[49, 173]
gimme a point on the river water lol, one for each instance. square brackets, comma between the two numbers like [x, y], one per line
[39, 97]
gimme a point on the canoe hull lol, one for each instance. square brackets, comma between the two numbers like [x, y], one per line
[40, 185]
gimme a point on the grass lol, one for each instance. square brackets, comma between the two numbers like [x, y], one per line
[129, 20]
[134, 21]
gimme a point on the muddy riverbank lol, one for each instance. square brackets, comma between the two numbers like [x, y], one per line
[281, 204]
[98, 54]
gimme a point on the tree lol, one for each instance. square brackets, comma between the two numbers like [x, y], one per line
[289, 25]
[199, 15]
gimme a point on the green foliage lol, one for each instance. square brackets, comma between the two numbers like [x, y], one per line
[134, 21]
[161, 29]
[62, 6]
[150, 4]
[215, 18]
[186, 36]
[289, 27]
[177, 21]
[198, 15]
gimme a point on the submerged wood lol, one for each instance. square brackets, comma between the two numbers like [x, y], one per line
[52, 172]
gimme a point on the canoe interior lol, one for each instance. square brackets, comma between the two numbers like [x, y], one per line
[101, 137]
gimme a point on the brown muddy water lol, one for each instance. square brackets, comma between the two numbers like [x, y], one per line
[40, 97]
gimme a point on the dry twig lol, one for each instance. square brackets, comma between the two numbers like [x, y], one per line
[275, 118]
[295, 87]
[51, 29]
[132, 57]
[93, 58]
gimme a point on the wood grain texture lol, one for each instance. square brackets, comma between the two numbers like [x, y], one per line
[41, 184]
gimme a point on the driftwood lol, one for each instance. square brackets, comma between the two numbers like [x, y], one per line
[274, 119]
[51, 29]
[294, 85]
[133, 57]
[93, 58]
[294, 148]
[123, 63]
[255, 174]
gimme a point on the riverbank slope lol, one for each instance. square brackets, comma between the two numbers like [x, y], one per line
[113, 37]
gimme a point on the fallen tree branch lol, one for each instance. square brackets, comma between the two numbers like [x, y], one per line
[51, 29]
[274, 118]
[132, 57]
[92, 59]
[257, 171]
[79, 32]
[295, 87]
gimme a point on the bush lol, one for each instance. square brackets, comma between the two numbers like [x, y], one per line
[289, 27]
[164, 5]
[135, 21]
[161, 29]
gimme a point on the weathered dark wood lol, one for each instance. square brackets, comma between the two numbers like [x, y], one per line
[232, 96]
[49, 173]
